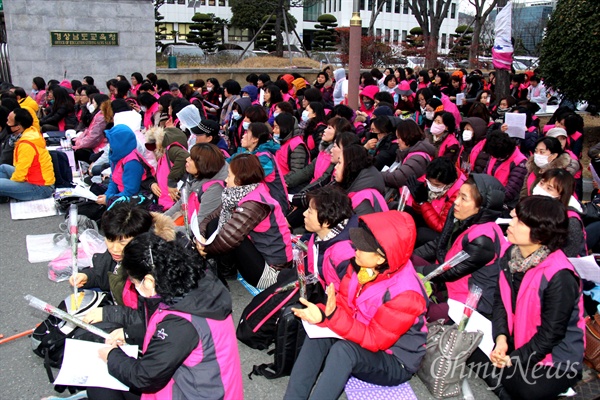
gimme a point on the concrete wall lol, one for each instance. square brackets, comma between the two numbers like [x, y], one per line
[186, 75]
[28, 26]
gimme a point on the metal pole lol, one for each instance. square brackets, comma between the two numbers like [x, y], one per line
[354, 64]
[255, 35]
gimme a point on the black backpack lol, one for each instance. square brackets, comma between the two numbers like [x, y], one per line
[289, 339]
[62, 169]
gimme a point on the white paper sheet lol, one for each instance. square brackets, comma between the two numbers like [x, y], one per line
[587, 268]
[79, 191]
[459, 98]
[477, 322]
[318, 332]
[32, 209]
[41, 248]
[82, 366]
[516, 124]
[195, 227]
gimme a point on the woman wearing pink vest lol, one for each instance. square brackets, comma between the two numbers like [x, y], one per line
[329, 217]
[379, 310]
[250, 225]
[189, 349]
[562, 136]
[471, 227]
[442, 136]
[538, 322]
[293, 154]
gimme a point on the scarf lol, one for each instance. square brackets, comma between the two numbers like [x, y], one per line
[518, 263]
[230, 198]
[333, 232]
[325, 146]
[12, 139]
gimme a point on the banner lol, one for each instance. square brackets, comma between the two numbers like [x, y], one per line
[502, 52]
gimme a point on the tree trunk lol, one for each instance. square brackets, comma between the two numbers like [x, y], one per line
[474, 50]
[431, 49]
[278, 36]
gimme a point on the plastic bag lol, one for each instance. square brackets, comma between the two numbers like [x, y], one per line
[92, 242]
[60, 268]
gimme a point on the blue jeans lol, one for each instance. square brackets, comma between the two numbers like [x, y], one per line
[21, 190]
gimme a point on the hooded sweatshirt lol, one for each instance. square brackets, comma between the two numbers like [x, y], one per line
[190, 350]
[122, 142]
[338, 91]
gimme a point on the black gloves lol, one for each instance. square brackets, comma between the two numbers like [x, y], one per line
[418, 190]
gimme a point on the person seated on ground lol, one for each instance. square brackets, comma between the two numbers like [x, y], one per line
[129, 168]
[170, 148]
[92, 140]
[329, 217]
[363, 183]
[381, 142]
[149, 105]
[442, 136]
[32, 176]
[24, 100]
[257, 140]
[562, 136]
[507, 164]
[473, 132]
[120, 225]
[470, 226]
[379, 311]
[293, 154]
[236, 127]
[61, 115]
[206, 174]
[548, 155]
[414, 153]
[189, 347]
[299, 200]
[559, 184]
[250, 225]
[538, 322]
[433, 199]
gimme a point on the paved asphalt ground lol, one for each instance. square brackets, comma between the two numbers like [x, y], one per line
[22, 374]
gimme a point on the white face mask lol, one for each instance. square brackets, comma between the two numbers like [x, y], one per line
[276, 138]
[275, 114]
[305, 115]
[245, 125]
[540, 160]
[235, 115]
[143, 108]
[540, 191]
[209, 89]
[467, 135]
[435, 189]
[437, 129]
[139, 289]
[429, 114]
[91, 108]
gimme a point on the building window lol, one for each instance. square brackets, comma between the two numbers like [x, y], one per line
[168, 30]
[443, 40]
[378, 32]
[212, 3]
[397, 6]
[369, 5]
[239, 35]
[453, 10]
[404, 34]
[405, 8]
[170, 1]
[396, 36]
[181, 2]
[388, 5]
[334, 5]
[387, 36]
[312, 12]
[222, 3]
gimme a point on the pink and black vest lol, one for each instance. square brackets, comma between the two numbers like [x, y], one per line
[195, 199]
[524, 320]
[271, 236]
[275, 182]
[502, 172]
[163, 168]
[373, 196]
[326, 267]
[283, 154]
[117, 173]
[211, 371]
[322, 162]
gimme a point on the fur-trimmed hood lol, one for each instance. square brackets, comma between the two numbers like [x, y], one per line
[166, 137]
[563, 161]
[163, 226]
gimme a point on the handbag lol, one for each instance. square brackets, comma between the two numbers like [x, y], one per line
[591, 355]
[447, 351]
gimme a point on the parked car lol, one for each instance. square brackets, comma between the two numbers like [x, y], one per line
[183, 49]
